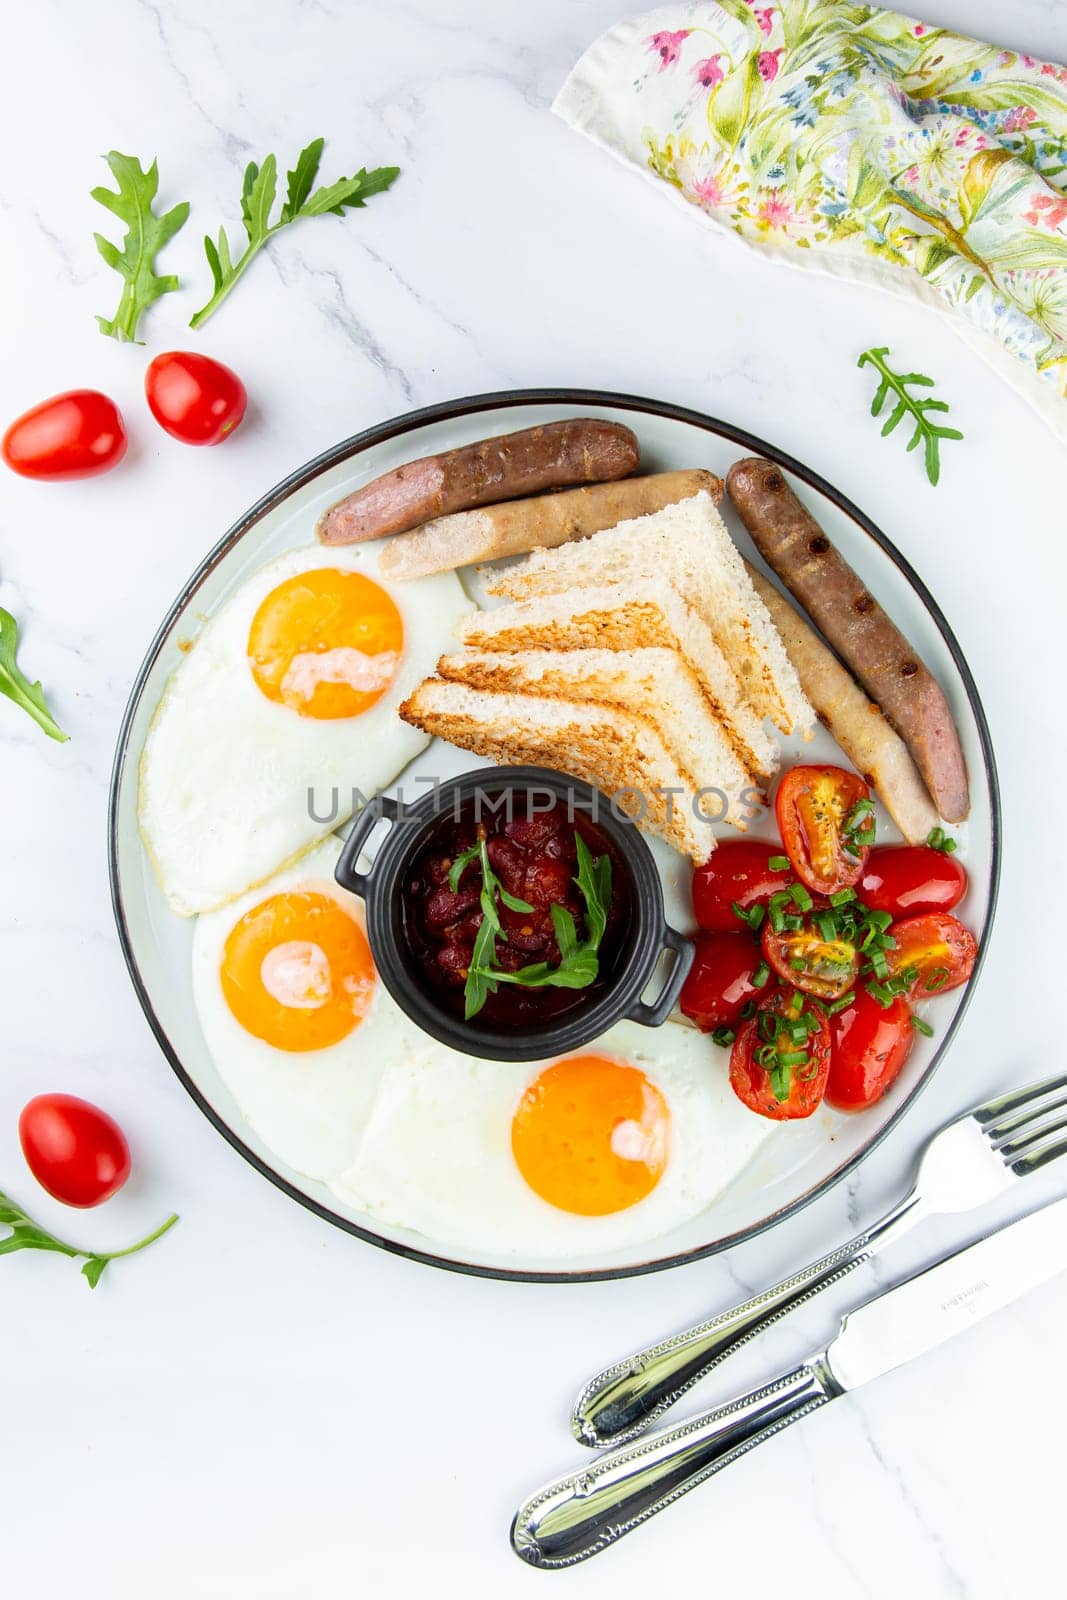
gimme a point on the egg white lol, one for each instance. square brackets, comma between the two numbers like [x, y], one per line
[309, 1106]
[436, 1155]
[416, 1136]
[227, 774]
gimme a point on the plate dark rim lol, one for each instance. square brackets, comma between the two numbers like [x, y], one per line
[444, 412]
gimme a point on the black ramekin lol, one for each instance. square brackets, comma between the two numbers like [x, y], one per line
[647, 937]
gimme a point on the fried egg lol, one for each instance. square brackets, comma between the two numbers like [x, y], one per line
[293, 1014]
[285, 705]
[618, 1143]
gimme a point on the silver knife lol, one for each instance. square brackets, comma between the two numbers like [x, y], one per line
[583, 1513]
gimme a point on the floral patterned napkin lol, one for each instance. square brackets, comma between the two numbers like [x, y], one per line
[859, 142]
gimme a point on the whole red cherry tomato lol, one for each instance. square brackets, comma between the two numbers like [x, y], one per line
[774, 1071]
[826, 819]
[74, 1150]
[870, 1045]
[720, 983]
[909, 879]
[73, 435]
[826, 968]
[195, 399]
[738, 871]
[937, 947]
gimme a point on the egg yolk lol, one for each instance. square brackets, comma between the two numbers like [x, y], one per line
[326, 643]
[297, 971]
[591, 1135]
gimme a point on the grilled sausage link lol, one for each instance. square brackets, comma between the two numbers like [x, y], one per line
[582, 450]
[792, 542]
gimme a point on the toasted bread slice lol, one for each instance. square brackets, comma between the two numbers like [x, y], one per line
[686, 544]
[630, 616]
[617, 752]
[653, 683]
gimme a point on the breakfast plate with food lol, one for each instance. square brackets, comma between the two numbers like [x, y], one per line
[554, 835]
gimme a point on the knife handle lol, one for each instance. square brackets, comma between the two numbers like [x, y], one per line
[579, 1515]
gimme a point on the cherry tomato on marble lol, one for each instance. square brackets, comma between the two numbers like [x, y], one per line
[74, 1150]
[740, 871]
[73, 435]
[870, 1045]
[720, 983]
[775, 1071]
[194, 398]
[909, 879]
[826, 819]
[937, 947]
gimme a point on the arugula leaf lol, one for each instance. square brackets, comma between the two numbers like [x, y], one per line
[460, 865]
[28, 1235]
[17, 687]
[479, 985]
[579, 964]
[146, 234]
[929, 432]
[258, 194]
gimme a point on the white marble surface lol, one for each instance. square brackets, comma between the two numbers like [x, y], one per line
[262, 1406]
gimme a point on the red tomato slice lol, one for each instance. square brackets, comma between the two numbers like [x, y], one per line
[909, 879]
[193, 398]
[826, 820]
[720, 984]
[72, 435]
[740, 871]
[826, 968]
[74, 1150]
[870, 1045]
[939, 949]
[763, 1073]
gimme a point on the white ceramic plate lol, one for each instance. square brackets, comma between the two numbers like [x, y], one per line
[804, 1158]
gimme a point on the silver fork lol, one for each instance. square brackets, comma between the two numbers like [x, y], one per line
[969, 1162]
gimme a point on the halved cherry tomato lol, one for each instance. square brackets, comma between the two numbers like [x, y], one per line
[826, 968]
[870, 1045]
[74, 1150]
[939, 949]
[909, 879]
[720, 983]
[740, 871]
[775, 1073]
[195, 399]
[72, 435]
[826, 820]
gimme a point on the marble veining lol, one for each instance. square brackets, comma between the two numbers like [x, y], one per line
[262, 1405]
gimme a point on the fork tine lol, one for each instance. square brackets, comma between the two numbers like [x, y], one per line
[1038, 1158]
[1022, 1119]
[1031, 1139]
[993, 1110]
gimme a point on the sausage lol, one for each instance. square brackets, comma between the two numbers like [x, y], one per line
[792, 542]
[544, 522]
[851, 718]
[582, 450]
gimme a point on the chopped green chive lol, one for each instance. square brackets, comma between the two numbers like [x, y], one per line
[760, 977]
[922, 1027]
[724, 1037]
[779, 863]
[752, 916]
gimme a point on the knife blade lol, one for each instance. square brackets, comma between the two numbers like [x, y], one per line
[584, 1512]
